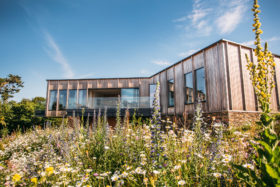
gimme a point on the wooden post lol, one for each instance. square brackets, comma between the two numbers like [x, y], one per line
[228, 76]
[242, 79]
[206, 80]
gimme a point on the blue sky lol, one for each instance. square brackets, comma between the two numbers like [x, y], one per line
[57, 39]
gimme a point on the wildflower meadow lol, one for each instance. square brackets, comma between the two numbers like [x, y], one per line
[154, 151]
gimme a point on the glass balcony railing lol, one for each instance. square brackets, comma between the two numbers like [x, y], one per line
[112, 102]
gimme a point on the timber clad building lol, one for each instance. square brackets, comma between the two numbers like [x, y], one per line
[216, 75]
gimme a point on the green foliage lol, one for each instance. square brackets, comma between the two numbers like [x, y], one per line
[133, 155]
[267, 158]
[21, 115]
[9, 86]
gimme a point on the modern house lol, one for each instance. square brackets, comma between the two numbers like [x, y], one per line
[216, 75]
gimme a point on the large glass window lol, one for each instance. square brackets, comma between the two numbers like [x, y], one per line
[82, 98]
[189, 88]
[130, 97]
[53, 100]
[62, 99]
[200, 84]
[153, 88]
[171, 93]
[72, 99]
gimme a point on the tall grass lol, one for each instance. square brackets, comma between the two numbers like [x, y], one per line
[157, 153]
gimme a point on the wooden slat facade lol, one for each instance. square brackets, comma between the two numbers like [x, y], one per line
[228, 84]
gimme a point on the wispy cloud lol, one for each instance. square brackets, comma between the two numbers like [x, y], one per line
[198, 12]
[230, 19]
[198, 18]
[161, 62]
[144, 72]
[272, 39]
[217, 16]
[55, 54]
[187, 53]
[181, 19]
[89, 75]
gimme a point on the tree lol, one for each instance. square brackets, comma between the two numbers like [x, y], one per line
[9, 86]
[40, 103]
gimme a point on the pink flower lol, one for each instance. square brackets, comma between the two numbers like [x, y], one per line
[95, 174]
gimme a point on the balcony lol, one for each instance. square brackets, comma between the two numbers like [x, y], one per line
[125, 102]
[141, 105]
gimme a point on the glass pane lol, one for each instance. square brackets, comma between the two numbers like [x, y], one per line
[189, 88]
[200, 85]
[62, 99]
[153, 88]
[82, 98]
[130, 97]
[171, 93]
[72, 99]
[52, 101]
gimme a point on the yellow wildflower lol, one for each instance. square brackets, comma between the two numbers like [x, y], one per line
[16, 177]
[49, 170]
[34, 180]
[145, 180]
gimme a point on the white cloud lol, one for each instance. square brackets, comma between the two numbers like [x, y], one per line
[275, 38]
[187, 53]
[55, 53]
[219, 16]
[248, 43]
[181, 19]
[199, 19]
[161, 62]
[144, 72]
[230, 19]
[89, 75]
[198, 14]
[251, 43]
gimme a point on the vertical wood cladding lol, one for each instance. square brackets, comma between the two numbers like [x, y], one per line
[214, 86]
[235, 77]
[144, 87]
[156, 79]
[187, 66]
[249, 92]
[277, 78]
[179, 87]
[170, 75]
[198, 61]
[163, 92]
[223, 76]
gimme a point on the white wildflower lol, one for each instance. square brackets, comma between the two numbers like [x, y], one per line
[181, 182]
[156, 172]
[248, 166]
[114, 177]
[217, 175]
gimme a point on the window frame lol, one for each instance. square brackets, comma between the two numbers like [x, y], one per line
[59, 100]
[80, 106]
[50, 108]
[137, 98]
[152, 96]
[196, 85]
[171, 93]
[75, 101]
[185, 88]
